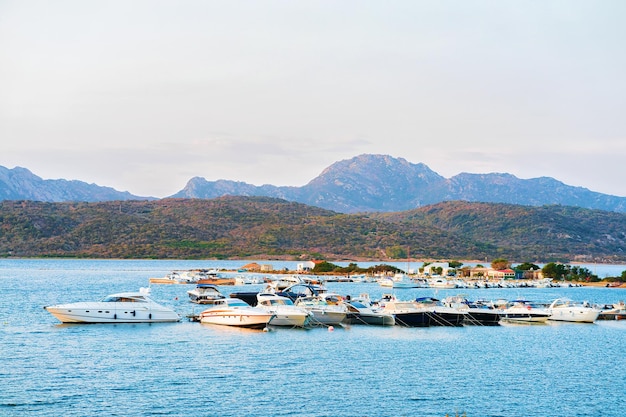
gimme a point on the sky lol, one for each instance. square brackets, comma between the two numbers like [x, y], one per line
[143, 95]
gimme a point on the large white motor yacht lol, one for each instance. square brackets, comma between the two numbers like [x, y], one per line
[128, 307]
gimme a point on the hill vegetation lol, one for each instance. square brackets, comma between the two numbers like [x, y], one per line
[263, 227]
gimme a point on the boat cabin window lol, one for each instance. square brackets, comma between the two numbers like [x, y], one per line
[116, 299]
[358, 304]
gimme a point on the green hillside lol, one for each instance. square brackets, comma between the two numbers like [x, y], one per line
[261, 227]
[523, 233]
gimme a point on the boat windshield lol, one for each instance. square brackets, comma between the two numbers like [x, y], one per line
[281, 302]
[358, 304]
[238, 303]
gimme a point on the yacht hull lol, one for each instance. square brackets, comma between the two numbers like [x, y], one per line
[110, 314]
[412, 319]
[229, 318]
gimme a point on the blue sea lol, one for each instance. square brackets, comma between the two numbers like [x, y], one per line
[192, 369]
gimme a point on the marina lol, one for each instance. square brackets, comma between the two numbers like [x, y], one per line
[426, 371]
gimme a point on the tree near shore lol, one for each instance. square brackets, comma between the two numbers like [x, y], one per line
[568, 272]
[527, 266]
[500, 264]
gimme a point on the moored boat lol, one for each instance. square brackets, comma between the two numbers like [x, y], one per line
[235, 312]
[301, 290]
[322, 312]
[564, 309]
[283, 309]
[406, 313]
[523, 311]
[398, 281]
[440, 282]
[479, 312]
[439, 314]
[361, 311]
[176, 277]
[205, 294]
[615, 311]
[281, 282]
[127, 307]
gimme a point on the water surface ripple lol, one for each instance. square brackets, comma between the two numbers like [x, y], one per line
[190, 369]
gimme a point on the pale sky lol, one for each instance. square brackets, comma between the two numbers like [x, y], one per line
[143, 95]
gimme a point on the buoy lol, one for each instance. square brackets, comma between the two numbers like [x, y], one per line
[331, 328]
[265, 329]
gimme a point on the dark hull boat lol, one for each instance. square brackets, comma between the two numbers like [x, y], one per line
[359, 313]
[482, 317]
[406, 313]
[439, 314]
[446, 318]
[412, 319]
[478, 313]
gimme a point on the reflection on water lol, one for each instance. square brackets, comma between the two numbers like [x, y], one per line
[182, 369]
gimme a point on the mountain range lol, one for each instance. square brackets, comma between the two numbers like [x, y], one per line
[365, 183]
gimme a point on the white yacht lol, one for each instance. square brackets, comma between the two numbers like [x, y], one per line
[399, 280]
[522, 311]
[284, 311]
[362, 311]
[564, 309]
[322, 312]
[440, 282]
[128, 307]
[205, 294]
[235, 312]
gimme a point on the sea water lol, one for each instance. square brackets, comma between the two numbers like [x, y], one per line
[192, 369]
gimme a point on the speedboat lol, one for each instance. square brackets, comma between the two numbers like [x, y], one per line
[479, 312]
[361, 311]
[205, 294]
[235, 312]
[406, 313]
[398, 281]
[615, 311]
[440, 282]
[127, 307]
[439, 314]
[302, 290]
[284, 311]
[522, 311]
[564, 309]
[322, 312]
[175, 277]
[213, 276]
[282, 282]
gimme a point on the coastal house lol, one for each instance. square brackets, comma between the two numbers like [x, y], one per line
[431, 268]
[477, 272]
[530, 274]
[501, 274]
[305, 266]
